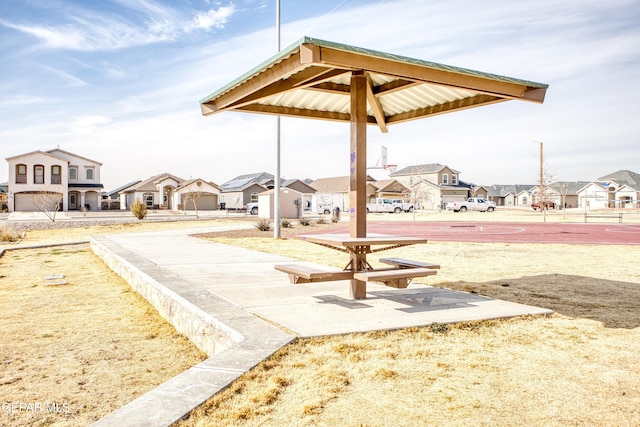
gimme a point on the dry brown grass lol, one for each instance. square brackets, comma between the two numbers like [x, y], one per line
[579, 367]
[90, 346]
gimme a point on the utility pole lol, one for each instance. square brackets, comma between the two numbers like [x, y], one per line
[542, 201]
[276, 188]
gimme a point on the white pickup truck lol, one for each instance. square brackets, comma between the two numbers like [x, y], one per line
[382, 205]
[404, 206]
[472, 204]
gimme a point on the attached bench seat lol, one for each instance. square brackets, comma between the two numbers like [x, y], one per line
[396, 278]
[300, 273]
[408, 263]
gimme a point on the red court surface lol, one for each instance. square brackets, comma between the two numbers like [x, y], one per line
[597, 234]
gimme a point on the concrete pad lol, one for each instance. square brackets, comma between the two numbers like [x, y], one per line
[237, 297]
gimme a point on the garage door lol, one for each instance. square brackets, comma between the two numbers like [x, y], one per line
[24, 203]
[206, 202]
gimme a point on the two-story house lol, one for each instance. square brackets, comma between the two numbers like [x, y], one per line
[433, 185]
[53, 176]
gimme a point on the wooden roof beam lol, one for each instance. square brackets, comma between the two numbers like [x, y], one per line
[435, 110]
[342, 59]
[374, 103]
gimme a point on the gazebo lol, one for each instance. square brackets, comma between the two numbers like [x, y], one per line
[317, 79]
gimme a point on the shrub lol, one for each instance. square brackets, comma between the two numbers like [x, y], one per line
[139, 209]
[7, 235]
[263, 225]
[285, 223]
[439, 328]
[321, 221]
[304, 221]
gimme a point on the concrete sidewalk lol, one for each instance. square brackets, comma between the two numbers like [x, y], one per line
[218, 295]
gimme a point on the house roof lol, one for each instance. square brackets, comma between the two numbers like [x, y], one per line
[422, 169]
[188, 182]
[568, 187]
[392, 186]
[35, 152]
[123, 187]
[311, 78]
[241, 182]
[335, 184]
[625, 177]
[289, 182]
[504, 190]
[53, 151]
[149, 184]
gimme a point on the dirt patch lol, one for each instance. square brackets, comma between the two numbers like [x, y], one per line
[615, 304]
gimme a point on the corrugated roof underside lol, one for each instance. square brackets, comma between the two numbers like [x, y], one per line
[396, 102]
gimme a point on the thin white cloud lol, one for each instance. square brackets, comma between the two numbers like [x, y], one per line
[212, 18]
[88, 124]
[145, 23]
[20, 99]
[71, 80]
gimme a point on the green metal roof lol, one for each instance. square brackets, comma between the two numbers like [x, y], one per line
[311, 78]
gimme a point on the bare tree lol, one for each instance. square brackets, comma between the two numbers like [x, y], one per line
[545, 178]
[48, 202]
[564, 189]
[193, 195]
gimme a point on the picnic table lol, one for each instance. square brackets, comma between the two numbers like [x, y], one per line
[358, 269]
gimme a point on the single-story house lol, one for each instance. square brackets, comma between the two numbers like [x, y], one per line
[196, 194]
[156, 192]
[510, 195]
[243, 189]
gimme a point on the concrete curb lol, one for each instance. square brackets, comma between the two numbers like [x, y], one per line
[234, 339]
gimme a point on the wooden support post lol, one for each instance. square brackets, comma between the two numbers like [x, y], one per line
[358, 176]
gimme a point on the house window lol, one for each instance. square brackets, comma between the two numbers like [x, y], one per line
[445, 179]
[73, 174]
[148, 199]
[90, 174]
[56, 174]
[454, 179]
[21, 174]
[38, 174]
[254, 197]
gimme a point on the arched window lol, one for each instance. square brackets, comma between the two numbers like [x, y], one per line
[90, 174]
[38, 174]
[21, 174]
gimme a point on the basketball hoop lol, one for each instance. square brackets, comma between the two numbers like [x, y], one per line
[391, 168]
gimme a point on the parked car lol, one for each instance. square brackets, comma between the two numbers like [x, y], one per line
[547, 204]
[252, 208]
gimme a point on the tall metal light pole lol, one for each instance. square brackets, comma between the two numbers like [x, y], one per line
[276, 189]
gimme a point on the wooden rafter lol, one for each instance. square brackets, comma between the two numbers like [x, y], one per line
[339, 58]
[374, 103]
[445, 108]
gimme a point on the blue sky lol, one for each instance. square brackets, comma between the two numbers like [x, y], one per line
[120, 82]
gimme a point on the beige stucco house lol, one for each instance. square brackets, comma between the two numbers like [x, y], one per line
[42, 178]
[196, 194]
[156, 192]
[434, 185]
